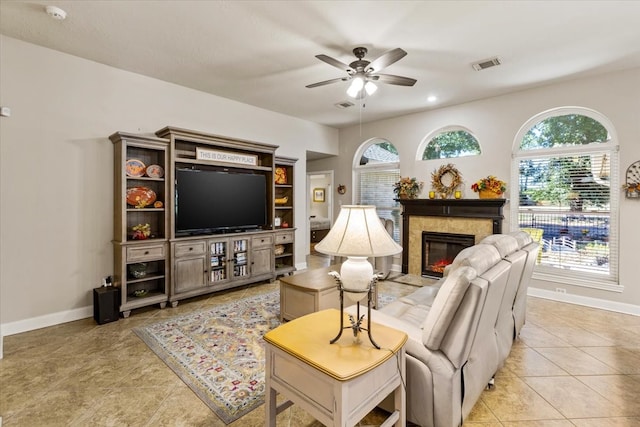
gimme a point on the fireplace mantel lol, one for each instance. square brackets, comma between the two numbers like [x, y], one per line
[486, 209]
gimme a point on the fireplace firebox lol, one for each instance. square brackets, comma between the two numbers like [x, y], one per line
[439, 250]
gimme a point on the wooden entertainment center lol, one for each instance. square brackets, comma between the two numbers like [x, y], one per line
[154, 264]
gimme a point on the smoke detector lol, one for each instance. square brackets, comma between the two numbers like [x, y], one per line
[486, 63]
[56, 13]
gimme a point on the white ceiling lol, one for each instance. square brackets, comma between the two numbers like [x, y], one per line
[262, 52]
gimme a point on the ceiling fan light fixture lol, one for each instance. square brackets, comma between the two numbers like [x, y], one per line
[356, 86]
[370, 87]
[357, 83]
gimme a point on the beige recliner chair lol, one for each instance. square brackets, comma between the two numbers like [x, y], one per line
[452, 350]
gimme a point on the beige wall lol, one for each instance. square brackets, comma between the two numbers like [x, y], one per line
[57, 169]
[495, 122]
[56, 163]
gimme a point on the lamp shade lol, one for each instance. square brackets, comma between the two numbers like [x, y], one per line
[358, 232]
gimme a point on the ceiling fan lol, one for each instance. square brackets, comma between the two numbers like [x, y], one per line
[364, 73]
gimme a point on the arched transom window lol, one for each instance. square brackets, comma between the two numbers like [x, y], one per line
[449, 143]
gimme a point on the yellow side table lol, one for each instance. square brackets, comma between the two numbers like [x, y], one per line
[338, 384]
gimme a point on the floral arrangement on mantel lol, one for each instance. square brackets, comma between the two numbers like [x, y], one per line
[489, 187]
[407, 188]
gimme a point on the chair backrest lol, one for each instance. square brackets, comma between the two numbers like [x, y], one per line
[523, 238]
[532, 249]
[508, 246]
[459, 339]
[536, 236]
[483, 359]
[452, 316]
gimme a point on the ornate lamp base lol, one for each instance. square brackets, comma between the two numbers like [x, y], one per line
[356, 323]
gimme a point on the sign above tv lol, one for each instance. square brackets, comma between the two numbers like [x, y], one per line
[226, 157]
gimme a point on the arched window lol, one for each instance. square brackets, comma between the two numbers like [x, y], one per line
[566, 165]
[451, 142]
[376, 168]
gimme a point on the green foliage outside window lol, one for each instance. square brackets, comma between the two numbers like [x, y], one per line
[457, 143]
[560, 131]
[568, 179]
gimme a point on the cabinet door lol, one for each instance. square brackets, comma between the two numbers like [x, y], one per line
[261, 261]
[190, 273]
[240, 249]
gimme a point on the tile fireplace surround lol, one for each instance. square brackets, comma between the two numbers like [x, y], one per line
[479, 217]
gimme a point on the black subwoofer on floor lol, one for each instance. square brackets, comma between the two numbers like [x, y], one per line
[106, 304]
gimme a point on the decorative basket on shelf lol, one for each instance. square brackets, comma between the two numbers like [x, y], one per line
[489, 187]
[488, 194]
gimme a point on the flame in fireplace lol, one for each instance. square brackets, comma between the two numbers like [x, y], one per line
[440, 265]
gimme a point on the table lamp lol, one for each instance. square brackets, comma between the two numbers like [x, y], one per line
[357, 234]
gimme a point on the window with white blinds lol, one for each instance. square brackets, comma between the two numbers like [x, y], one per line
[376, 171]
[375, 187]
[568, 194]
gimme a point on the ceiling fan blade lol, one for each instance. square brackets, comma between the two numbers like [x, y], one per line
[386, 59]
[326, 82]
[338, 64]
[393, 80]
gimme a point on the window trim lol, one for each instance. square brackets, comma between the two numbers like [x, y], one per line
[551, 274]
[356, 166]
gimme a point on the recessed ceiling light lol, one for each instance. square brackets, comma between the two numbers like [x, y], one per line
[56, 13]
[432, 98]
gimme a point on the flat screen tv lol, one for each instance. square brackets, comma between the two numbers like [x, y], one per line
[216, 201]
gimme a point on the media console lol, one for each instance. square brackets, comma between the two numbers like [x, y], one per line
[196, 213]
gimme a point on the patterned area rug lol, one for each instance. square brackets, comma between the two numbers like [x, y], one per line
[219, 352]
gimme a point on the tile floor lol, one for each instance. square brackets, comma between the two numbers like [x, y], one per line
[572, 366]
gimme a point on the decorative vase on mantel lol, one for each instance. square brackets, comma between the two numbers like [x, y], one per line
[403, 195]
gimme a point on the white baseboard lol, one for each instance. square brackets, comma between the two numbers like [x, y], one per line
[38, 322]
[52, 319]
[618, 307]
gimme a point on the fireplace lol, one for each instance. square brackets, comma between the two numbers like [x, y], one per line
[477, 217]
[439, 250]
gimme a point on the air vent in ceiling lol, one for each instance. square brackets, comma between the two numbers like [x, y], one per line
[486, 63]
[344, 104]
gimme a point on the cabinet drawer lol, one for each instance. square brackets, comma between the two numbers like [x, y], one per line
[190, 248]
[284, 237]
[262, 241]
[145, 253]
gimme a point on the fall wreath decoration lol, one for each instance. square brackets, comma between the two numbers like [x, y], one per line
[446, 179]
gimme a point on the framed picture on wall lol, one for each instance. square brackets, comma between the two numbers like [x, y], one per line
[318, 194]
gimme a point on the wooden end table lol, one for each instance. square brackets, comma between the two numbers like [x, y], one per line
[338, 384]
[310, 291]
